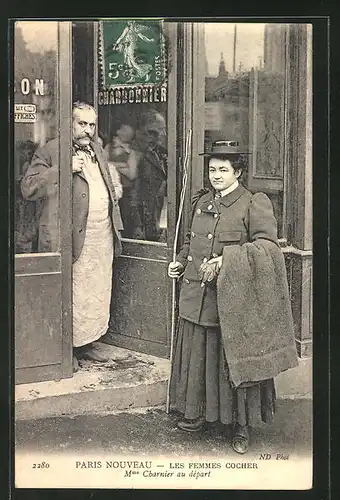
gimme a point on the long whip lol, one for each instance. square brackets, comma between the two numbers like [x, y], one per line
[174, 253]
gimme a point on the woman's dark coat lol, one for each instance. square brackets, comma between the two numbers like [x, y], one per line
[231, 222]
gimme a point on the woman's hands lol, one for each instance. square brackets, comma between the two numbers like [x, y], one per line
[216, 261]
[175, 270]
[207, 271]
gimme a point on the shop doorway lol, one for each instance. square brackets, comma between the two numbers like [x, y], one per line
[57, 63]
[138, 135]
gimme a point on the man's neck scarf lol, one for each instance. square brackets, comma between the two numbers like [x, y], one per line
[87, 149]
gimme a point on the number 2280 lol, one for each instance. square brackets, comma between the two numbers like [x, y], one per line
[42, 465]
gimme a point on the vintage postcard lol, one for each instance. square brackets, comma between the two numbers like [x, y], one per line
[163, 254]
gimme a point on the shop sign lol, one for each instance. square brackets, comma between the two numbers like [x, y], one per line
[25, 113]
[132, 95]
[132, 56]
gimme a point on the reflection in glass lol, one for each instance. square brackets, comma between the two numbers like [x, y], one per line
[134, 139]
[133, 64]
[123, 162]
[244, 94]
[150, 143]
[268, 104]
[35, 83]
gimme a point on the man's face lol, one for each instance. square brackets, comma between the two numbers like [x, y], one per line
[221, 173]
[155, 132]
[84, 125]
[125, 133]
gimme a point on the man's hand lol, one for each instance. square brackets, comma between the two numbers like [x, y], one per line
[77, 164]
[175, 270]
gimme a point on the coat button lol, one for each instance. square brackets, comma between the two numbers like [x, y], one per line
[186, 280]
[193, 234]
[83, 195]
[210, 207]
[215, 215]
[205, 260]
[210, 236]
[198, 211]
[189, 258]
[80, 230]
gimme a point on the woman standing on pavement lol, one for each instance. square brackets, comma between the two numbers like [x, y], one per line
[227, 351]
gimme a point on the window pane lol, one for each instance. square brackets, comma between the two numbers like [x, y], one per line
[244, 98]
[132, 103]
[36, 123]
[268, 104]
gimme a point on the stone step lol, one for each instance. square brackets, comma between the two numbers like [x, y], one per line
[128, 380]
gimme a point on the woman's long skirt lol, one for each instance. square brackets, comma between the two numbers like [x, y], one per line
[200, 385]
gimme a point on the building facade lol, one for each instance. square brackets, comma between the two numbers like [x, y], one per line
[249, 82]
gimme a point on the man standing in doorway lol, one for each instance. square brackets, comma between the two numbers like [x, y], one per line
[95, 223]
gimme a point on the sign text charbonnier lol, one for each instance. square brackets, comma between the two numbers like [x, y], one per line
[132, 95]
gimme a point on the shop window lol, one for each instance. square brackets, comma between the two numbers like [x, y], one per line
[132, 118]
[245, 74]
[35, 123]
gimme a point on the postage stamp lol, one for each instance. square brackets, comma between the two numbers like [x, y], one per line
[132, 52]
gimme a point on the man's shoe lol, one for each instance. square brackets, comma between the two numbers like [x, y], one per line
[92, 354]
[195, 425]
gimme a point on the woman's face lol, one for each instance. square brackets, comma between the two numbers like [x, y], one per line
[222, 174]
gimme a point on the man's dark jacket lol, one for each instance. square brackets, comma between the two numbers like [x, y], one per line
[41, 182]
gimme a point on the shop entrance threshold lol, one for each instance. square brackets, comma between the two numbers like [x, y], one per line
[128, 380]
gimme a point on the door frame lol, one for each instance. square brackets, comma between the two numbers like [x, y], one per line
[155, 252]
[192, 76]
[65, 194]
[57, 262]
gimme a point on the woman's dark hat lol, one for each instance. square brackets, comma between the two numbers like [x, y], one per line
[222, 148]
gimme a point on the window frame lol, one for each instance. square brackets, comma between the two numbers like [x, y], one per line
[194, 71]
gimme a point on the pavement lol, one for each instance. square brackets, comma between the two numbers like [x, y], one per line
[129, 380]
[151, 431]
[117, 410]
